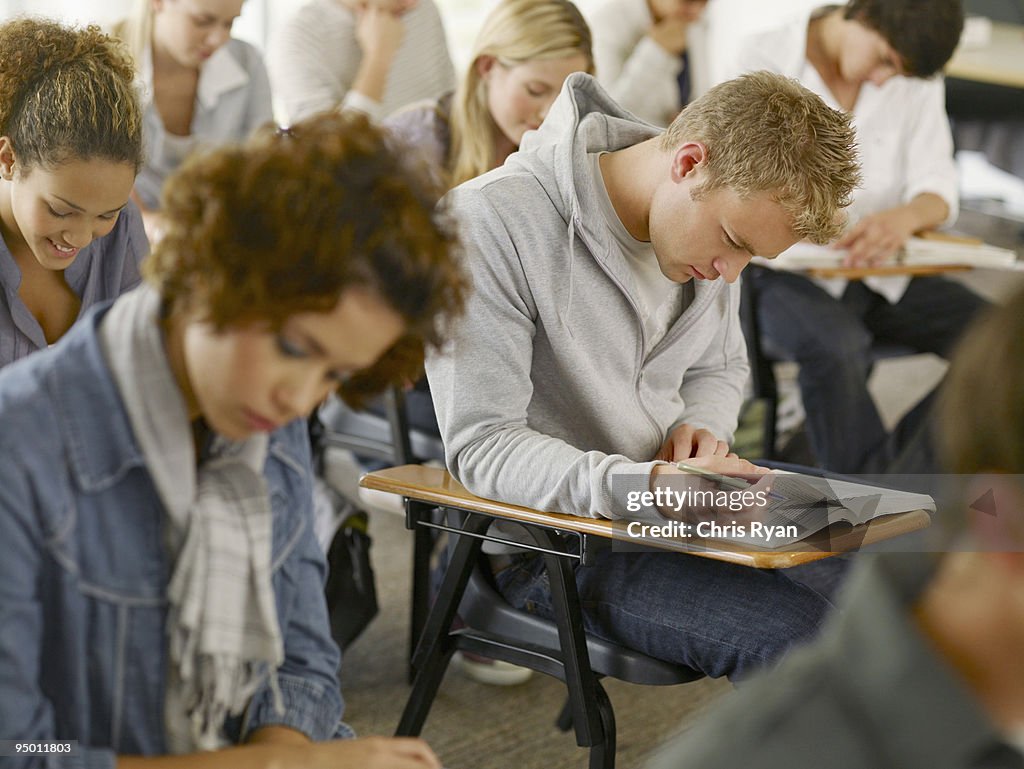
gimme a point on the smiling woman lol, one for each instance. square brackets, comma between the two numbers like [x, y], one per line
[70, 146]
[173, 424]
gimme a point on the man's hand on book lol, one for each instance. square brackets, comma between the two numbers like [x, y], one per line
[687, 442]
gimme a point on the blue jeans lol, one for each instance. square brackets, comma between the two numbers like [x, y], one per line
[831, 339]
[716, 617]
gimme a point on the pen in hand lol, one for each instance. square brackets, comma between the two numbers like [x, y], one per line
[722, 480]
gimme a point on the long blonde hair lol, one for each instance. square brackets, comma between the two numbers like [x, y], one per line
[136, 29]
[515, 32]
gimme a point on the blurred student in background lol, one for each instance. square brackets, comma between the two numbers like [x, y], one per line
[652, 55]
[374, 56]
[202, 87]
[878, 61]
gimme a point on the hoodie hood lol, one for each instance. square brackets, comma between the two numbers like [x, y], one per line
[583, 119]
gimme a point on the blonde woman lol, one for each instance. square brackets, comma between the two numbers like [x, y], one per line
[201, 86]
[522, 55]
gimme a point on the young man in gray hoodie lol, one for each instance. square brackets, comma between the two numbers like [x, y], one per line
[602, 340]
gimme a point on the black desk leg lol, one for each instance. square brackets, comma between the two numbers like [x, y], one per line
[436, 646]
[592, 715]
[422, 547]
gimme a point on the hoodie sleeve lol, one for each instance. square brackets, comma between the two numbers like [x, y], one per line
[482, 387]
[713, 388]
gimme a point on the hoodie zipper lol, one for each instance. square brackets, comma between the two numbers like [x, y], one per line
[573, 223]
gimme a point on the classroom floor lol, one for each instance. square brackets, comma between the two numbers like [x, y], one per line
[474, 726]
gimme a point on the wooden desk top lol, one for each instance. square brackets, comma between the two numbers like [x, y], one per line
[859, 273]
[1001, 62]
[431, 484]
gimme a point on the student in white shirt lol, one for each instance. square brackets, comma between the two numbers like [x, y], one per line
[876, 60]
[374, 56]
[202, 87]
[651, 55]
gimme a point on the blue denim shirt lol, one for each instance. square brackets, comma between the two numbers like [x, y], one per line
[84, 572]
[102, 271]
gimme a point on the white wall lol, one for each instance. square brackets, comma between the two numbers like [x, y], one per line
[731, 20]
[251, 26]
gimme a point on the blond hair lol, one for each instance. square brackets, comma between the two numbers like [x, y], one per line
[136, 29]
[767, 133]
[515, 32]
[67, 94]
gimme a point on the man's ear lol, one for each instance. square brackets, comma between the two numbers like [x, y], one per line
[687, 159]
[6, 158]
[484, 64]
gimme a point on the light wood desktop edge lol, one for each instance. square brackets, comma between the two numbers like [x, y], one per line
[1001, 62]
[436, 486]
[859, 273]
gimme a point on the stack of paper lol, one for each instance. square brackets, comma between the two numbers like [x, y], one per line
[921, 251]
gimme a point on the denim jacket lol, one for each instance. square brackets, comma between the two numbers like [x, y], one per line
[84, 571]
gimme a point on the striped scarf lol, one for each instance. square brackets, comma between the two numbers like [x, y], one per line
[224, 638]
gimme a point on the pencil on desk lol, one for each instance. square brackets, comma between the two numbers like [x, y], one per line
[722, 480]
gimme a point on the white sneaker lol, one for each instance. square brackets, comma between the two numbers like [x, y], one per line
[488, 671]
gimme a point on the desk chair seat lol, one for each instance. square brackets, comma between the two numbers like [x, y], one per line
[371, 434]
[483, 609]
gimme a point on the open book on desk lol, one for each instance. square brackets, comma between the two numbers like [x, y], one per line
[922, 252]
[800, 505]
